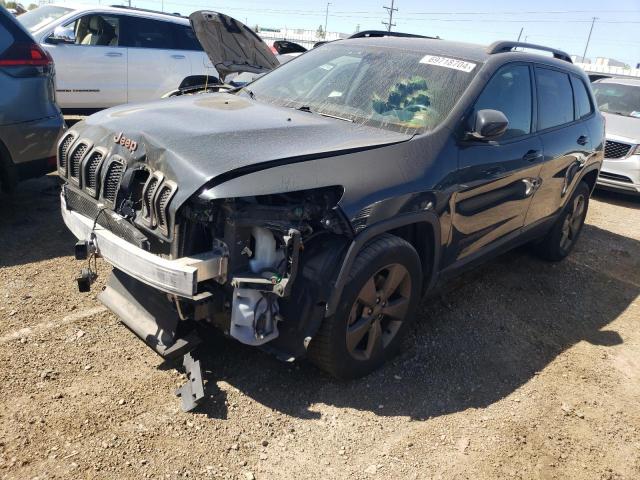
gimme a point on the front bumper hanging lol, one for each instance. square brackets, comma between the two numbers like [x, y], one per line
[179, 277]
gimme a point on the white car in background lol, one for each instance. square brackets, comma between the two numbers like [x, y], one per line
[107, 56]
[619, 101]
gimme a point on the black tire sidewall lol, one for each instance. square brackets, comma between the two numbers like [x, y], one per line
[555, 250]
[345, 365]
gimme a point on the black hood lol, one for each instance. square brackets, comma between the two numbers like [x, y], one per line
[195, 139]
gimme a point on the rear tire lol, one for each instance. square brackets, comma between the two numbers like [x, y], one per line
[376, 307]
[564, 234]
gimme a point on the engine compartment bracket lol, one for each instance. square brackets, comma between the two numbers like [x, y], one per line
[192, 392]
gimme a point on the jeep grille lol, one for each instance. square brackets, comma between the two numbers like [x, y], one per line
[90, 175]
[63, 151]
[112, 178]
[76, 158]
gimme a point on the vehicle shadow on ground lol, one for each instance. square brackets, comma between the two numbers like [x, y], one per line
[475, 342]
[616, 198]
[31, 227]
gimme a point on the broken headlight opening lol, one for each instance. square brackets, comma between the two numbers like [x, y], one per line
[264, 238]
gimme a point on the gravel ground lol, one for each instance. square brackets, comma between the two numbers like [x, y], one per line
[518, 369]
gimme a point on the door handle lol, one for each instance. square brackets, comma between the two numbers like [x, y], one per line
[583, 140]
[532, 156]
[178, 57]
[113, 54]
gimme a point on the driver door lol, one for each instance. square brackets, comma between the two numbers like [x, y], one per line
[91, 72]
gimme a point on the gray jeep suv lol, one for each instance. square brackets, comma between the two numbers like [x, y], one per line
[307, 213]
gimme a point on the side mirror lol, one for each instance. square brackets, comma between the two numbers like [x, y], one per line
[62, 35]
[488, 125]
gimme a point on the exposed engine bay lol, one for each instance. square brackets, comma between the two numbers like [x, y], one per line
[264, 239]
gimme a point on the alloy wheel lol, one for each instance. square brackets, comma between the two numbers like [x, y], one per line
[378, 311]
[573, 222]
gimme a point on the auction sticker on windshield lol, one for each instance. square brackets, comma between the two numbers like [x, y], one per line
[448, 63]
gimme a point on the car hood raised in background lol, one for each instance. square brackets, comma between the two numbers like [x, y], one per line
[623, 126]
[195, 139]
[231, 45]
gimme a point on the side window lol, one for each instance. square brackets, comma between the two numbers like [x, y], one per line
[145, 33]
[555, 98]
[186, 38]
[582, 99]
[509, 91]
[97, 30]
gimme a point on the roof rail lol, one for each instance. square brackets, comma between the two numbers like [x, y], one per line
[384, 33]
[502, 46]
[147, 10]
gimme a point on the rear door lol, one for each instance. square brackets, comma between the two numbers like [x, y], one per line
[565, 138]
[156, 63]
[92, 72]
[497, 178]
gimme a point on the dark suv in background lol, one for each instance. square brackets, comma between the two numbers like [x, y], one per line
[30, 121]
[309, 211]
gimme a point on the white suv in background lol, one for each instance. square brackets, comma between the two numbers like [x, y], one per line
[107, 56]
[619, 101]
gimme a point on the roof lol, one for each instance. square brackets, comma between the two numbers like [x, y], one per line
[165, 16]
[467, 51]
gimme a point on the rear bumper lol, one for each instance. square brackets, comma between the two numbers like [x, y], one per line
[33, 142]
[179, 277]
[622, 175]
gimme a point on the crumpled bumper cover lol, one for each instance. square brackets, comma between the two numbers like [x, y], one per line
[179, 277]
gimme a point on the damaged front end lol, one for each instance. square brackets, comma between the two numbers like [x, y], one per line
[268, 242]
[258, 268]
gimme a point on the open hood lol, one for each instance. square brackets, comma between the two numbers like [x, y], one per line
[231, 46]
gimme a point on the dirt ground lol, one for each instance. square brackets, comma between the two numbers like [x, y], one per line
[519, 369]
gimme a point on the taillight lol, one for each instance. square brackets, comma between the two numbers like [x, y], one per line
[25, 54]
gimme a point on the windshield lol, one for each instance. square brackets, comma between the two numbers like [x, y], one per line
[618, 98]
[42, 16]
[391, 88]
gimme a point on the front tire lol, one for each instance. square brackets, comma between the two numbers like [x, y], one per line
[564, 234]
[376, 307]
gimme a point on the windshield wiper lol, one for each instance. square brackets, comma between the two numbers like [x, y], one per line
[238, 89]
[307, 108]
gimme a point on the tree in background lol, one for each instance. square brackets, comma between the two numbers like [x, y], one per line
[320, 33]
[32, 6]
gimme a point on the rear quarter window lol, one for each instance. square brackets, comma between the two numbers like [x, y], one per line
[584, 108]
[6, 39]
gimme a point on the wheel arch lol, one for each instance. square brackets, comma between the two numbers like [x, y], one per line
[420, 229]
[590, 178]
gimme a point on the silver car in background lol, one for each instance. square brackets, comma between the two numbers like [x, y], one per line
[30, 121]
[619, 100]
